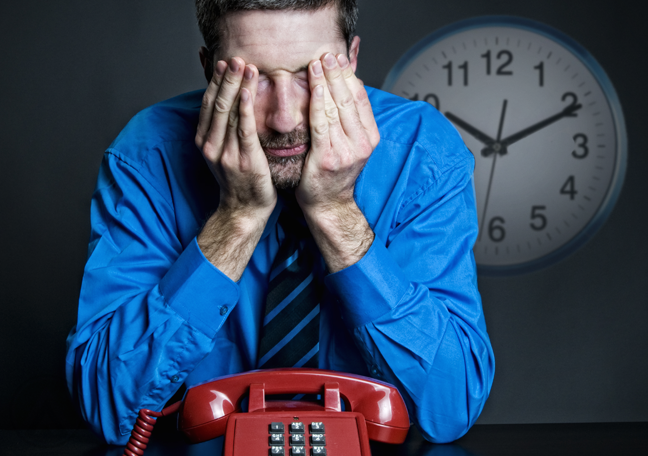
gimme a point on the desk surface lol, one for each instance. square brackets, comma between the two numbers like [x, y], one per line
[607, 439]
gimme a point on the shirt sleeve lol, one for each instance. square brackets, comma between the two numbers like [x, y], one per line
[413, 307]
[148, 309]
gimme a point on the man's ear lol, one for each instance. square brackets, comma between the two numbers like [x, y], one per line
[353, 52]
[207, 62]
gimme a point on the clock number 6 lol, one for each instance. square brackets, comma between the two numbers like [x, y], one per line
[497, 233]
[538, 217]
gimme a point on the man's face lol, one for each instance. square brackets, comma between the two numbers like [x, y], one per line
[281, 44]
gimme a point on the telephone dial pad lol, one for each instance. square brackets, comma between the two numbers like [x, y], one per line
[297, 439]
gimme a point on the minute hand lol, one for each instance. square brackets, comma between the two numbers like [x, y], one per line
[569, 111]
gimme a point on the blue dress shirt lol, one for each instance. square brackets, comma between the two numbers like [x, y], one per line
[154, 312]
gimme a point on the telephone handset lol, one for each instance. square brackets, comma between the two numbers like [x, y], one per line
[373, 410]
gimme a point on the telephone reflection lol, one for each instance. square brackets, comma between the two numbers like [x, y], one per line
[373, 410]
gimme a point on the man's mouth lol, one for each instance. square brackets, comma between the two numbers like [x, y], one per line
[287, 151]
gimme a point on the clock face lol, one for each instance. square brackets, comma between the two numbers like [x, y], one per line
[543, 123]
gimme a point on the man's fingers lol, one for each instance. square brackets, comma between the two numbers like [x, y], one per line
[316, 77]
[362, 104]
[319, 122]
[342, 96]
[227, 95]
[246, 129]
[251, 80]
[241, 131]
[207, 108]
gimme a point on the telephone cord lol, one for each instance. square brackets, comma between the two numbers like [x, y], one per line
[141, 433]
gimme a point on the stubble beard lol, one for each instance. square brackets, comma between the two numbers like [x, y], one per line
[285, 171]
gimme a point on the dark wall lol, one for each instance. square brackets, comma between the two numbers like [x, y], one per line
[570, 341]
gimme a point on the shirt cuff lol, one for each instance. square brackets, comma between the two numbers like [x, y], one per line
[198, 291]
[369, 288]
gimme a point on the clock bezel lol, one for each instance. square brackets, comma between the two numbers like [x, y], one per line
[614, 189]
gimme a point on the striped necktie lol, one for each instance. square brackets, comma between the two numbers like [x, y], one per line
[290, 332]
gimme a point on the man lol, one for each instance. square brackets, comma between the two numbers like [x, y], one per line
[199, 195]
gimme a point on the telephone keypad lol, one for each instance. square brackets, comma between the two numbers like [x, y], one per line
[297, 443]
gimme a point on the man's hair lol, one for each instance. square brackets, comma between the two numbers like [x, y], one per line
[211, 12]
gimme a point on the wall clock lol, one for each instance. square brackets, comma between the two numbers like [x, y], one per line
[544, 124]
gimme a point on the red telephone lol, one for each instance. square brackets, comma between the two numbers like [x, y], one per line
[373, 410]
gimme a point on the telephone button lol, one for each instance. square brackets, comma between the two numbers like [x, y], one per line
[318, 450]
[297, 439]
[297, 450]
[276, 439]
[318, 439]
[276, 428]
[297, 427]
[276, 450]
[317, 427]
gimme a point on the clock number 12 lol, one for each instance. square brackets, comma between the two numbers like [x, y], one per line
[501, 70]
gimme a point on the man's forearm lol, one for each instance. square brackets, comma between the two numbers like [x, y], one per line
[228, 240]
[342, 235]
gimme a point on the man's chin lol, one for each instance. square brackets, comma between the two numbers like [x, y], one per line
[286, 171]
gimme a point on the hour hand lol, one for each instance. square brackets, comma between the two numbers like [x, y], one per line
[481, 136]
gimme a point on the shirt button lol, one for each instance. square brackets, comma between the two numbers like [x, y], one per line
[175, 379]
[223, 310]
[374, 371]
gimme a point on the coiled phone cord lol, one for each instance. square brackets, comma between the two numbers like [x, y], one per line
[143, 428]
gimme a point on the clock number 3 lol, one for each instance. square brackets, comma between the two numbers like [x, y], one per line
[581, 142]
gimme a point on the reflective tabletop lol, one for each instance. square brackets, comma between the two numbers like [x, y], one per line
[482, 440]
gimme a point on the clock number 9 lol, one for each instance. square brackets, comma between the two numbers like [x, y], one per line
[430, 98]
[538, 218]
[497, 233]
[582, 145]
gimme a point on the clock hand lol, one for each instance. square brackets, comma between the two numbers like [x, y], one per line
[569, 111]
[490, 180]
[483, 137]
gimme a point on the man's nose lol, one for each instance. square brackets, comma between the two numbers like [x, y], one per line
[286, 108]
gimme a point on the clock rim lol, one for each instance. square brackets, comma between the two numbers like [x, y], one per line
[614, 189]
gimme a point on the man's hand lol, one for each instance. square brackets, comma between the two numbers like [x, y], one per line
[343, 136]
[227, 138]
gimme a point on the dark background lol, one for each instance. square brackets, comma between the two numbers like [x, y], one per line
[570, 341]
